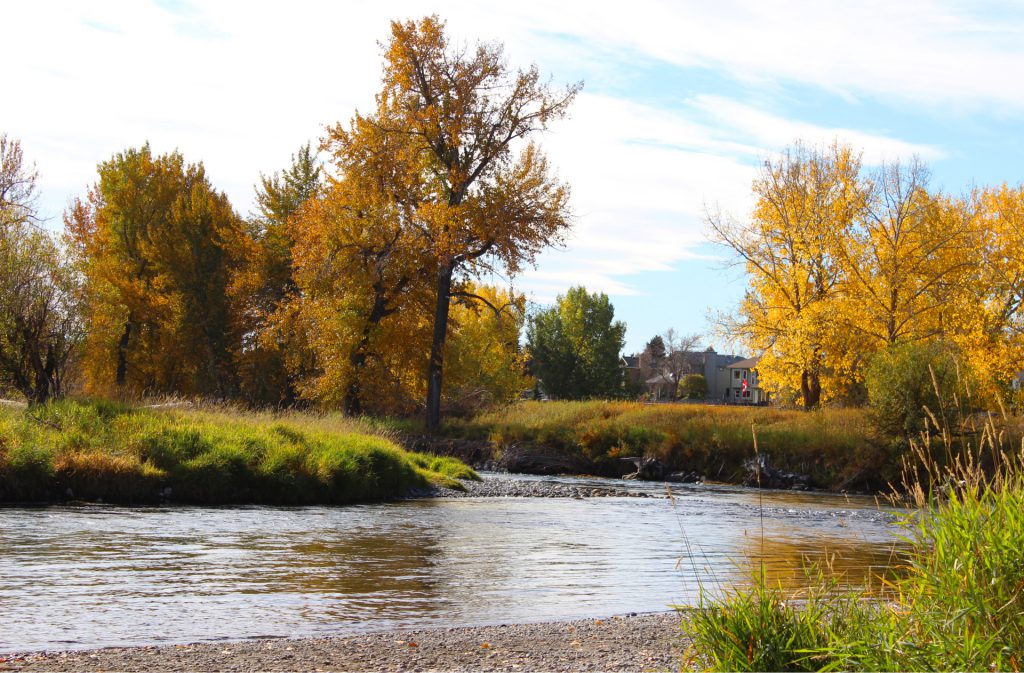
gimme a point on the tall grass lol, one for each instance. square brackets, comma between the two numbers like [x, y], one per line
[835, 446]
[957, 605]
[100, 450]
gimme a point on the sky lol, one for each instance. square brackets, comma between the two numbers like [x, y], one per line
[681, 103]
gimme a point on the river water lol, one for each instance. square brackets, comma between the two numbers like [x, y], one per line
[88, 576]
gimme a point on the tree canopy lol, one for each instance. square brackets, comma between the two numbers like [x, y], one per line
[574, 346]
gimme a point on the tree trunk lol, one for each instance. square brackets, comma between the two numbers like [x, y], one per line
[810, 388]
[122, 353]
[352, 403]
[436, 365]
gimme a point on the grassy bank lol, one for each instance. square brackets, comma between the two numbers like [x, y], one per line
[96, 450]
[959, 605]
[833, 446]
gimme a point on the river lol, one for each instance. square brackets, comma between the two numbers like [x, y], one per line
[74, 577]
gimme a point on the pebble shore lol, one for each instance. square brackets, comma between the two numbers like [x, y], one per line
[635, 643]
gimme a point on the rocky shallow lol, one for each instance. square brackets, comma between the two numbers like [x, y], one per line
[497, 487]
[651, 642]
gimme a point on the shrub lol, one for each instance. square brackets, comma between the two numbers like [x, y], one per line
[693, 387]
[905, 380]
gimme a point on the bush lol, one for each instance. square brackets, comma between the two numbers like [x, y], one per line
[906, 381]
[693, 387]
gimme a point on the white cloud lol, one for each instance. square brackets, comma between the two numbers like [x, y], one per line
[932, 51]
[241, 85]
[772, 131]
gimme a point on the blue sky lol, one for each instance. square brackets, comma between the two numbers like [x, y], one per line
[682, 101]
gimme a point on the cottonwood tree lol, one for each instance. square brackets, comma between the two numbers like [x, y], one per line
[906, 256]
[364, 291]
[489, 200]
[483, 360]
[988, 316]
[159, 247]
[808, 200]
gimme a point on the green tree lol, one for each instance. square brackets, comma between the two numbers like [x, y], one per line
[574, 346]
[278, 199]
[652, 358]
[693, 387]
[276, 357]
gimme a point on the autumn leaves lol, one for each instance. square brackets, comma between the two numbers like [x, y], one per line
[845, 262]
[357, 284]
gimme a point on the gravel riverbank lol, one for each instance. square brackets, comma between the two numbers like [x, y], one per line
[651, 642]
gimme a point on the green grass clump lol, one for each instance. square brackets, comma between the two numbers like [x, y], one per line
[99, 450]
[764, 630]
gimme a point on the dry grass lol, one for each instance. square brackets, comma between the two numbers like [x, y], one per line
[835, 446]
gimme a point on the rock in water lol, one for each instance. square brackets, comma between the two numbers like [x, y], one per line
[761, 473]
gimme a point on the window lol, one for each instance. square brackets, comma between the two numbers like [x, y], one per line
[736, 373]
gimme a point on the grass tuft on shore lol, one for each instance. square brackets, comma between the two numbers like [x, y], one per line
[102, 450]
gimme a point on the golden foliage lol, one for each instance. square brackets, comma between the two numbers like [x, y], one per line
[158, 247]
[844, 263]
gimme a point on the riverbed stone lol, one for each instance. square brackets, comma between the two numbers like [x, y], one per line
[491, 487]
[649, 642]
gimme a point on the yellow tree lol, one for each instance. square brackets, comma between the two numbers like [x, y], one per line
[488, 199]
[993, 338]
[485, 365]
[158, 247]
[362, 296]
[807, 201]
[906, 259]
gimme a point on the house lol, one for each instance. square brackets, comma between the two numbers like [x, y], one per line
[743, 385]
[715, 367]
[631, 374]
[662, 385]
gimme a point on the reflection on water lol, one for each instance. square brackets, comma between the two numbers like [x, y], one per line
[93, 575]
[792, 564]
